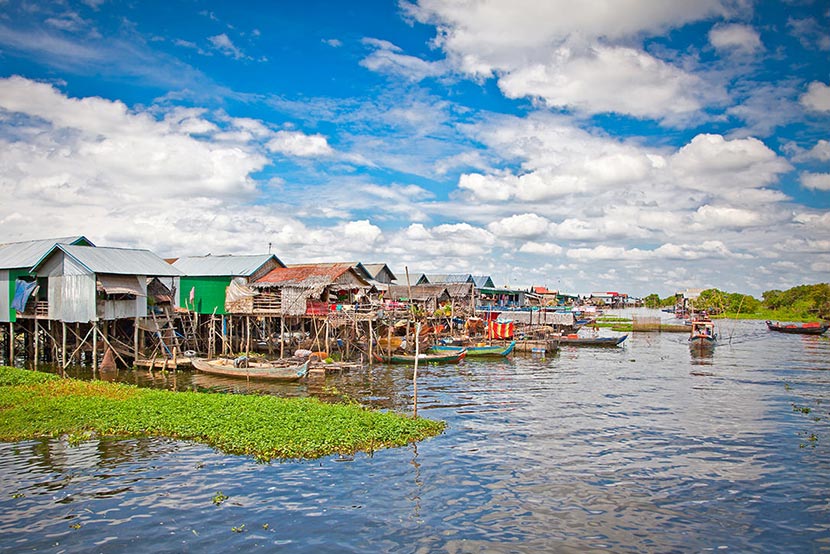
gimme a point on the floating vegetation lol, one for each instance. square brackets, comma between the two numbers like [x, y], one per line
[240, 529]
[218, 498]
[38, 404]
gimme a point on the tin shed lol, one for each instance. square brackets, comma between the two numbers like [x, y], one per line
[16, 259]
[86, 284]
[203, 287]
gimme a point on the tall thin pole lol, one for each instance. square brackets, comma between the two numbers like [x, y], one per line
[415, 373]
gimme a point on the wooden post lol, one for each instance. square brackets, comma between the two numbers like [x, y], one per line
[415, 373]
[94, 348]
[63, 344]
[371, 358]
[248, 338]
[282, 337]
[37, 344]
[135, 340]
[11, 344]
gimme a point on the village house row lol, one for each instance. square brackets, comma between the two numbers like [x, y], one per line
[67, 292]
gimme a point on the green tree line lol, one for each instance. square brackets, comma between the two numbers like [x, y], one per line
[804, 302]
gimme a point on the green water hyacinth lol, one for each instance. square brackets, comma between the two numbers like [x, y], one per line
[34, 404]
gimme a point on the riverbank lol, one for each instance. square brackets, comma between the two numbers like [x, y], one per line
[35, 404]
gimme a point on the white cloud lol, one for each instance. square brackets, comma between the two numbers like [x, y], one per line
[815, 181]
[572, 54]
[361, 231]
[821, 151]
[817, 97]
[295, 143]
[520, 226]
[224, 44]
[387, 58]
[609, 79]
[735, 38]
[541, 248]
[719, 217]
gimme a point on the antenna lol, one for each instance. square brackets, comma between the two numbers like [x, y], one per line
[269, 247]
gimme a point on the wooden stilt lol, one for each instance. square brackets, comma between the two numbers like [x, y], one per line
[11, 343]
[36, 340]
[94, 348]
[282, 337]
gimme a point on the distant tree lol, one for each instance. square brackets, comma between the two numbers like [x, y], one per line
[651, 301]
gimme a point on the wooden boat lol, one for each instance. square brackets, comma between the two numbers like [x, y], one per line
[702, 334]
[576, 340]
[814, 328]
[490, 350]
[273, 371]
[445, 358]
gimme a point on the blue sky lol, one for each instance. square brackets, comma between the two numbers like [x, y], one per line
[633, 145]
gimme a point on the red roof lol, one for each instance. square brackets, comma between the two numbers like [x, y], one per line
[305, 274]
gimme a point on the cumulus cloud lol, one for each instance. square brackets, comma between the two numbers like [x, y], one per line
[129, 177]
[815, 181]
[520, 226]
[609, 79]
[594, 67]
[735, 38]
[817, 97]
[295, 143]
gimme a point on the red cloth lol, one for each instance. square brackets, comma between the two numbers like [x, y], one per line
[498, 330]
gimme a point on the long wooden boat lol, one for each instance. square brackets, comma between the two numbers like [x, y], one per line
[814, 328]
[490, 350]
[702, 334]
[445, 358]
[272, 371]
[575, 340]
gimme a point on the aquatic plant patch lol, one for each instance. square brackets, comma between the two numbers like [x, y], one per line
[36, 404]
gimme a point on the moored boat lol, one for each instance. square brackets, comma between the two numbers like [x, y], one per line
[576, 340]
[488, 350]
[246, 369]
[813, 328]
[444, 358]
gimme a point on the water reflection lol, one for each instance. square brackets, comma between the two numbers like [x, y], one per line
[641, 448]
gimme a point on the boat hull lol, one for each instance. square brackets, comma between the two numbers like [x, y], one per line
[494, 351]
[798, 329]
[258, 371]
[592, 341]
[450, 358]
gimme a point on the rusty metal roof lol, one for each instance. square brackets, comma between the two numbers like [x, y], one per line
[307, 275]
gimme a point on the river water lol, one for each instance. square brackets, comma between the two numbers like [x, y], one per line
[647, 447]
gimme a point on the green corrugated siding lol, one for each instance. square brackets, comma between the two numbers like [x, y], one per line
[209, 294]
[13, 275]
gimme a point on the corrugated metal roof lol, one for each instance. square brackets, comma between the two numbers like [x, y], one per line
[375, 269]
[435, 279]
[25, 254]
[306, 275]
[221, 266]
[118, 261]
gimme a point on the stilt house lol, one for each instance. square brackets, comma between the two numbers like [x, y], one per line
[16, 261]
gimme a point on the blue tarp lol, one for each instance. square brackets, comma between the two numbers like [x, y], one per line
[22, 291]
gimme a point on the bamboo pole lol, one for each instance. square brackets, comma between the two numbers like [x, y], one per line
[37, 344]
[63, 344]
[135, 339]
[94, 348]
[282, 337]
[415, 373]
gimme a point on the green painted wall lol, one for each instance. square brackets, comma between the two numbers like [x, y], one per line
[13, 275]
[209, 294]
